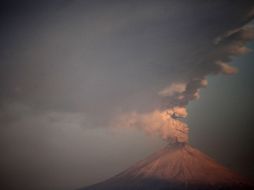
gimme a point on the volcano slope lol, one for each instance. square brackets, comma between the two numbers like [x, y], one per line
[175, 167]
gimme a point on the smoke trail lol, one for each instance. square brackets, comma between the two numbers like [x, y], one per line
[165, 121]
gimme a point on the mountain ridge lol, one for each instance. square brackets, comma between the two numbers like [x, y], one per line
[178, 166]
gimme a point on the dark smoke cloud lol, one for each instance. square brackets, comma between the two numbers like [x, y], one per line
[215, 61]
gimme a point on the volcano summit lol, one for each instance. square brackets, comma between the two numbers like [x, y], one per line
[177, 166]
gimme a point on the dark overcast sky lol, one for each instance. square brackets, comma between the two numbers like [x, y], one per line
[69, 68]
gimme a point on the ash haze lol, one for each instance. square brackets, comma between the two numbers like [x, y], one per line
[79, 79]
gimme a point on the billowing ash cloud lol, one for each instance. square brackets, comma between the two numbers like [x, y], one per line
[105, 60]
[162, 123]
[216, 60]
[178, 95]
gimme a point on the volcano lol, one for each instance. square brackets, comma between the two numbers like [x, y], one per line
[175, 167]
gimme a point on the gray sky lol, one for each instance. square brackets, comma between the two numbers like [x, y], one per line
[69, 68]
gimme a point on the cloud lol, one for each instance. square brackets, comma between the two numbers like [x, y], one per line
[173, 89]
[157, 122]
[226, 69]
[99, 60]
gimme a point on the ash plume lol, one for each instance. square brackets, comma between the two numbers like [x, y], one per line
[162, 123]
[175, 97]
